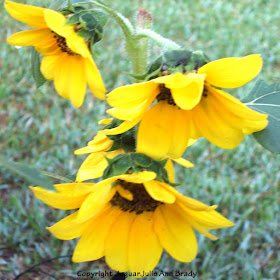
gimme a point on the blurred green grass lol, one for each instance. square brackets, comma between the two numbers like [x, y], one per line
[38, 127]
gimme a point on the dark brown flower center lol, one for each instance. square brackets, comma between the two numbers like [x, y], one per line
[61, 41]
[165, 94]
[141, 202]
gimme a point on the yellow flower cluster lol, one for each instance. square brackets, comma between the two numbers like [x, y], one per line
[131, 216]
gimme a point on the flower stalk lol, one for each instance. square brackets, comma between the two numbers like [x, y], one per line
[137, 39]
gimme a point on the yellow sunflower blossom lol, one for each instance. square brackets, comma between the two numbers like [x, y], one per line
[189, 106]
[67, 59]
[99, 149]
[130, 219]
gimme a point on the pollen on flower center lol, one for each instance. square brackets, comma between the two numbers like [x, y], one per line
[141, 202]
[61, 41]
[165, 94]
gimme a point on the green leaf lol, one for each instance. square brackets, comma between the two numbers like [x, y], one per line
[35, 67]
[265, 98]
[30, 174]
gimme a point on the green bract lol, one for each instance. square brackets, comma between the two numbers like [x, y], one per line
[172, 62]
[134, 163]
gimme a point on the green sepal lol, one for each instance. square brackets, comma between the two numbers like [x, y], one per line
[135, 163]
[35, 68]
[172, 62]
[265, 98]
[126, 140]
[118, 166]
[73, 19]
[88, 23]
[141, 160]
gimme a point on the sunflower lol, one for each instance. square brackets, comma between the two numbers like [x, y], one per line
[67, 59]
[189, 106]
[100, 149]
[130, 219]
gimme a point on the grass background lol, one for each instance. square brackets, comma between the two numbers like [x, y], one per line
[39, 128]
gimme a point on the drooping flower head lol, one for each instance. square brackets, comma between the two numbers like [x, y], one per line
[189, 106]
[67, 59]
[130, 219]
[103, 149]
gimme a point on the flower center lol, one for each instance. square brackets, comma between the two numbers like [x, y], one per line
[165, 94]
[205, 93]
[141, 199]
[61, 41]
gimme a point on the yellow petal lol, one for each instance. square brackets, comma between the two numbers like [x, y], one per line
[65, 201]
[56, 22]
[33, 16]
[237, 114]
[124, 193]
[180, 133]
[75, 188]
[144, 249]
[184, 162]
[189, 96]
[77, 83]
[93, 167]
[100, 143]
[78, 44]
[29, 37]
[155, 131]
[62, 72]
[130, 96]
[166, 78]
[192, 203]
[214, 127]
[232, 72]
[51, 50]
[138, 178]
[158, 192]
[207, 219]
[201, 230]
[94, 79]
[123, 127]
[48, 66]
[116, 243]
[68, 228]
[91, 245]
[134, 112]
[170, 170]
[96, 200]
[105, 121]
[176, 237]
[68, 83]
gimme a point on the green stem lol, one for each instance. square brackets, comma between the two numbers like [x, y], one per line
[123, 22]
[161, 41]
[136, 39]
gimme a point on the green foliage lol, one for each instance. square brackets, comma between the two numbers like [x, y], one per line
[30, 174]
[35, 68]
[265, 98]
